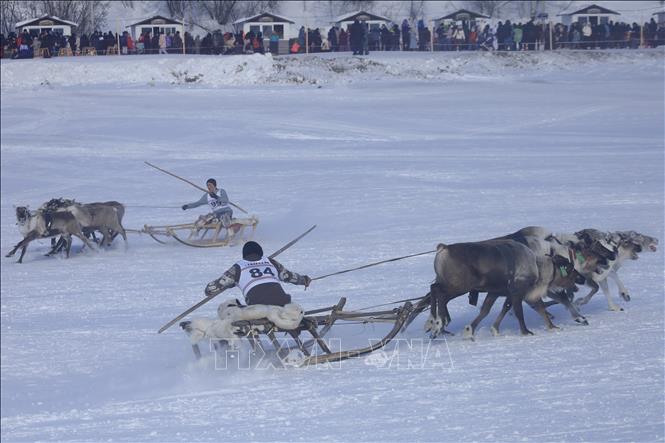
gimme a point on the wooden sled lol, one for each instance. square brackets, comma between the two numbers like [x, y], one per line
[317, 326]
[202, 234]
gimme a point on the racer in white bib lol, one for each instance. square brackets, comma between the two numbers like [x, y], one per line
[258, 277]
[218, 202]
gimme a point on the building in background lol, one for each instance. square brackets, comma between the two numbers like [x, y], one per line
[593, 14]
[156, 25]
[660, 18]
[464, 17]
[46, 23]
[268, 23]
[373, 20]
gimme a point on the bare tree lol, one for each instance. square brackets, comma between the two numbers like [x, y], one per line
[88, 14]
[487, 7]
[178, 8]
[360, 4]
[530, 8]
[11, 12]
[226, 11]
[256, 7]
[416, 9]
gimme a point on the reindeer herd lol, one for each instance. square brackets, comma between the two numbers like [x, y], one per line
[65, 218]
[529, 265]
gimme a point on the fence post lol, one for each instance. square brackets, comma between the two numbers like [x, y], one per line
[431, 38]
[117, 34]
[641, 36]
[551, 40]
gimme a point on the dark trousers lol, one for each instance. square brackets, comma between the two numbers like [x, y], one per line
[268, 294]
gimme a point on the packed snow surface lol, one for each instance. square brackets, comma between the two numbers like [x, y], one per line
[389, 155]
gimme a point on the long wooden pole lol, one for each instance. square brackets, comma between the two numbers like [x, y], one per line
[207, 299]
[373, 264]
[190, 183]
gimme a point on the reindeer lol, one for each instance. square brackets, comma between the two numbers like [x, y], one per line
[628, 245]
[39, 225]
[541, 243]
[555, 274]
[120, 210]
[494, 266]
[105, 217]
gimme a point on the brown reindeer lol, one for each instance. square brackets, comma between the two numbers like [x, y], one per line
[38, 225]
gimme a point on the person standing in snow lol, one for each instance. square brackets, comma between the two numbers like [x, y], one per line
[406, 36]
[258, 277]
[218, 201]
[161, 42]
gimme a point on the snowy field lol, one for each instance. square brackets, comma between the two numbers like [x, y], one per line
[388, 156]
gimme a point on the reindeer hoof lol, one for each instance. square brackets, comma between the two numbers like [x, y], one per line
[554, 328]
[468, 332]
[616, 308]
[625, 296]
[582, 321]
[434, 326]
[527, 332]
[494, 331]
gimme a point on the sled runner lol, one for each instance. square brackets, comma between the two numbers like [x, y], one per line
[206, 232]
[317, 323]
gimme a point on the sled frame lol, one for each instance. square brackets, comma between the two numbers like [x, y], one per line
[196, 234]
[254, 329]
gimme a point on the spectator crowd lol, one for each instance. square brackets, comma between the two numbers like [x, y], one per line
[359, 38]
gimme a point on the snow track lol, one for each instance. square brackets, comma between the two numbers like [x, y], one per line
[385, 168]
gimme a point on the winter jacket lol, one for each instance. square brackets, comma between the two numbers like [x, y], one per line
[517, 35]
[222, 199]
[266, 293]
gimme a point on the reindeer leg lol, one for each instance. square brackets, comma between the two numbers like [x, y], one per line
[485, 309]
[24, 245]
[55, 246]
[85, 241]
[519, 313]
[20, 244]
[13, 251]
[434, 324]
[594, 288]
[564, 300]
[539, 307]
[68, 245]
[622, 289]
[608, 295]
[20, 259]
[504, 310]
[108, 237]
[124, 235]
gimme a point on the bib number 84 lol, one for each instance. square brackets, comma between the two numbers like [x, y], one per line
[256, 272]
